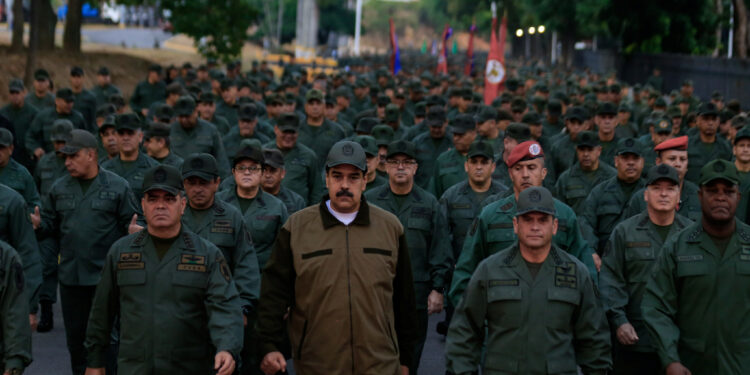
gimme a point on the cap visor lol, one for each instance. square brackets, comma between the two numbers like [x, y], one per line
[69, 150]
[712, 179]
[337, 163]
[286, 128]
[200, 174]
[535, 209]
[169, 189]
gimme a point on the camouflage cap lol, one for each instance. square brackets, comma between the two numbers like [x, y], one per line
[481, 148]
[463, 123]
[347, 152]
[162, 177]
[314, 94]
[201, 165]
[288, 122]
[273, 157]
[61, 130]
[6, 138]
[368, 144]
[383, 135]
[662, 172]
[402, 147]
[535, 199]
[719, 169]
[79, 139]
[587, 138]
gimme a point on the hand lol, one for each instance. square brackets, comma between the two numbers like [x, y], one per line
[38, 153]
[144, 111]
[224, 363]
[597, 261]
[434, 302]
[626, 334]
[676, 368]
[404, 370]
[36, 218]
[134, 227]
[33, 321]
[244, 320]
[272, 363]
[95, 371]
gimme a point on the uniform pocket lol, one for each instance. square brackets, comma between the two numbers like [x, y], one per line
[562, 304]
[692, 268]
[131, 277]
[192, 279]
[419, 223]
[105, 205]
[506, 304]
[65, 204]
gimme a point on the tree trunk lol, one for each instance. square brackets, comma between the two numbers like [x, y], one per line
[719, 10]
[46, 26]
[17, 41]
[740, 31]
[568, 41]
[31, 52]
[72, 35]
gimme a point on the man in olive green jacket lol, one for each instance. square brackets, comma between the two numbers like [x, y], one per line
[190, 135]
[15, 341]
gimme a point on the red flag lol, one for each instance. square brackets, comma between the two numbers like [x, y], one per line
[469, 66]
[442, 66]
[494, 73]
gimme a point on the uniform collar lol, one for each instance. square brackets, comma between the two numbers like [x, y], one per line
[362, 218]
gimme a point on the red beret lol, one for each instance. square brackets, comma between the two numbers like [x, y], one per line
[525, 151]
[679, 143]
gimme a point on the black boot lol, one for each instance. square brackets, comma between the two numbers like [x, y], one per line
[46, 321]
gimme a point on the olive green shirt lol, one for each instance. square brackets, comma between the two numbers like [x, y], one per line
[689, 205]
[17, 177]
[449, 170]
[39, 134]
[428, 150]
[132, 171]
[574, 185]
[303, 174]
[15, 332]
[146, 94]
[203, 138]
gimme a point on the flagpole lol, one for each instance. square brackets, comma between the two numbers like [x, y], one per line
[357, 27]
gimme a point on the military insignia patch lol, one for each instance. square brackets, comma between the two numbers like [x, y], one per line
[131, 265]
[130, 257]
[629, 142]
[347, 150]
[565, 275]
[160, 175]
[535, 196]
[719, 167]
[663, 169]
[192, 259]
[224, 268]
[534, 149]
[196, 163]
[191, 267]
[509, 282]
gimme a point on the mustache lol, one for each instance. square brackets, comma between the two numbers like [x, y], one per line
[344, 193]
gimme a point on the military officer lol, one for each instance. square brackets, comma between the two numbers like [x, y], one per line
[273, 173]
[538, 304]
[514, 134]
[491, 230]
[21, 114]
[107, 143]
[430, 144]
[315, 131]
[85, 101]
[418, 212]
[369, 144]
[449, 168]
[660, 130]
[627, 261]
[190, 135]
[705, 145]
[606, 123]
[104, 87]
[15, 343]
[694, 304]
[487, 128]
[245, 129]
[130, 163]
[392, 118]
[173, 290]
[156, 142]
[207, 111]
[41, 98]
[85, 212]
[38, 139]
[741, 151]
[575, 184]
[15, 175]
[149, 91]
[563, 149]
[383, 135]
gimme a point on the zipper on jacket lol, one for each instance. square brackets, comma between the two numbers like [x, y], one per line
[349, 285]
[302, 341]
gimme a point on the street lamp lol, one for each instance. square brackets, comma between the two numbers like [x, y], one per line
[519, 33]
[541, 29]
[532, 30]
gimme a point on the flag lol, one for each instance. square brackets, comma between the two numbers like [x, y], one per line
[424, 47]
[494, 73]
[442, 66]
[469, 67]
[395, 53]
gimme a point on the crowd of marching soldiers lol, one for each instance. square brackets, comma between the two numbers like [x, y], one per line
[648, 190]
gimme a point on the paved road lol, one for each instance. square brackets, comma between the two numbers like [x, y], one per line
[51, 355]
[131, 37]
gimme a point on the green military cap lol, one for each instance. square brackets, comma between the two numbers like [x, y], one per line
[392, 112]
[541, 87]
[368, 143]
[127, 121]
[716, 95]
[383, 100]
[420, 109]
[252, 152]
[725, 115]
[314, 94]
[342, 91]
[347, 152]
[719, 169]
[606, 108]
[162, 177]
[518, 131]
[61, 129]
[535, 199]
[673, 112]
[201, 165]
[624, 107]
[155, 68]
[109, 122]
[79, 139]
[254, 142]
[175, 88]
[512, 84]
[191, 75]
[481, 148]
[518, 105]
[6, 138]
[103, 71]
[741, 134]
[436, 116]
[402, 147]
[360, 83]
[41, 75]
[660, 102]
[463, 123]
[554, 107]
[227, 83]
[288, 122]
[273, 157]
[739, 122]
[663, 125]
[248, 112]
[185, 106]
[216, 74]
[734, 106]
[576, 113]
[158, 130]
[65, 94]
[117, 100]
[486, 113]
[532, 118]
[164, 112]
[274, 99]
[587, 138]
[497, 102]
[454, 92]
[290, 98]
[687, 82]
[615, 88]
[16, 85]
[504, 115]
[467, 94]
[366, 124]
[662, 172]
[708, 109]
[383, 134]
[628, 146]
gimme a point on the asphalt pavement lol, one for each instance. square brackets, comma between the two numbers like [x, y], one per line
[127, 37]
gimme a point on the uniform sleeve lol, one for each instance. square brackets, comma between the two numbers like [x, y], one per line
[591, 332]
[473, 252]
[246, 271]
[441, 254]
[23, 239]
[221, 156]
[315, 182]
[612, 279]
[580, 248]
[659, 307]
[405, 305]
[31, 195]
[105, 306]
[135, 99]
[276, 295]
[463, 344]
[223, 308]
[588, 220]
[128, 206]
[14, 313]
[34, 137]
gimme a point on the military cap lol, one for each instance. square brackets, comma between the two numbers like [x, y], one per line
[103, 71]
[481, 148]
[725, 115]
[392, 113]
[347, 152]
[554, 107]
[420, 109]
[532, 118]
[155, 68]
[251, 151]
[463, 123]
[528, 150]
[65, 94]
[680, 100]
[127, 121]
[662, 172]
[606, 108]
[383, 134]
[716, 95]
[79, 139]
[201, 165]
[660, 102]
[16, 85]
[164, 112]
[718, 169]
[41, 75]
[342, 91]
[365, 124]
[248, 112]
[402, 147]
[518, 105]
[288, 122]
[117, 99]
[162, 177]
[274, 99]
[615, 88]
[290, 98]
[535, 199]
[216, 75]
[624, 107]
[518, 131]
[673, 112]
[360, 83]
[512, 84]
[687, 82]
[368, 144]
[504, 115]
[663, 125]
[454, 92]
[227, 83]
[576, 113]
[741, 134]
[185, 106]
[739, 121]
[435, 100]
[61, 129]
[157, 130]
[436, 116]
[383, 100]
[467, 94]
[174, 88]
[485, 113]
[109, 121]
[273, 157]
[628, 146]
[314, 94]
[6, 138]
[734, 106]
[708, 109]
[543, 88]
[76, 71]
[587, 139]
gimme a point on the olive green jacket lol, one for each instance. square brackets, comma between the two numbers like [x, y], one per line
[293, 201]
[49, 168]
[627, 262]
[203, 138]
[18, 178]
[695, 303]
[321, 138]
[85, 103]
[47, 101]
[545, 325]
[15, 332]
[574, 185]
[698, 157]
[562, 154]
[146, 94]
[172, 160]
[449, 170]
[233, 140]
[39, 134]
[21, 119]
[175, 313]
[427, 154]
[102, 93]
[689, 205]
[133, 174]
[303, 174]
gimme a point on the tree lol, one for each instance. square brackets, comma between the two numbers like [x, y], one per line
[17, 39]
[46, 26]
[740, 29]
[72, 35]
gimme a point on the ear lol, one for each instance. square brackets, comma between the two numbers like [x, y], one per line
[555, 224]
[515, 225]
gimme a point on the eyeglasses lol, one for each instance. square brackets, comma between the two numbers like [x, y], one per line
[243, 169]
[405, 163]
